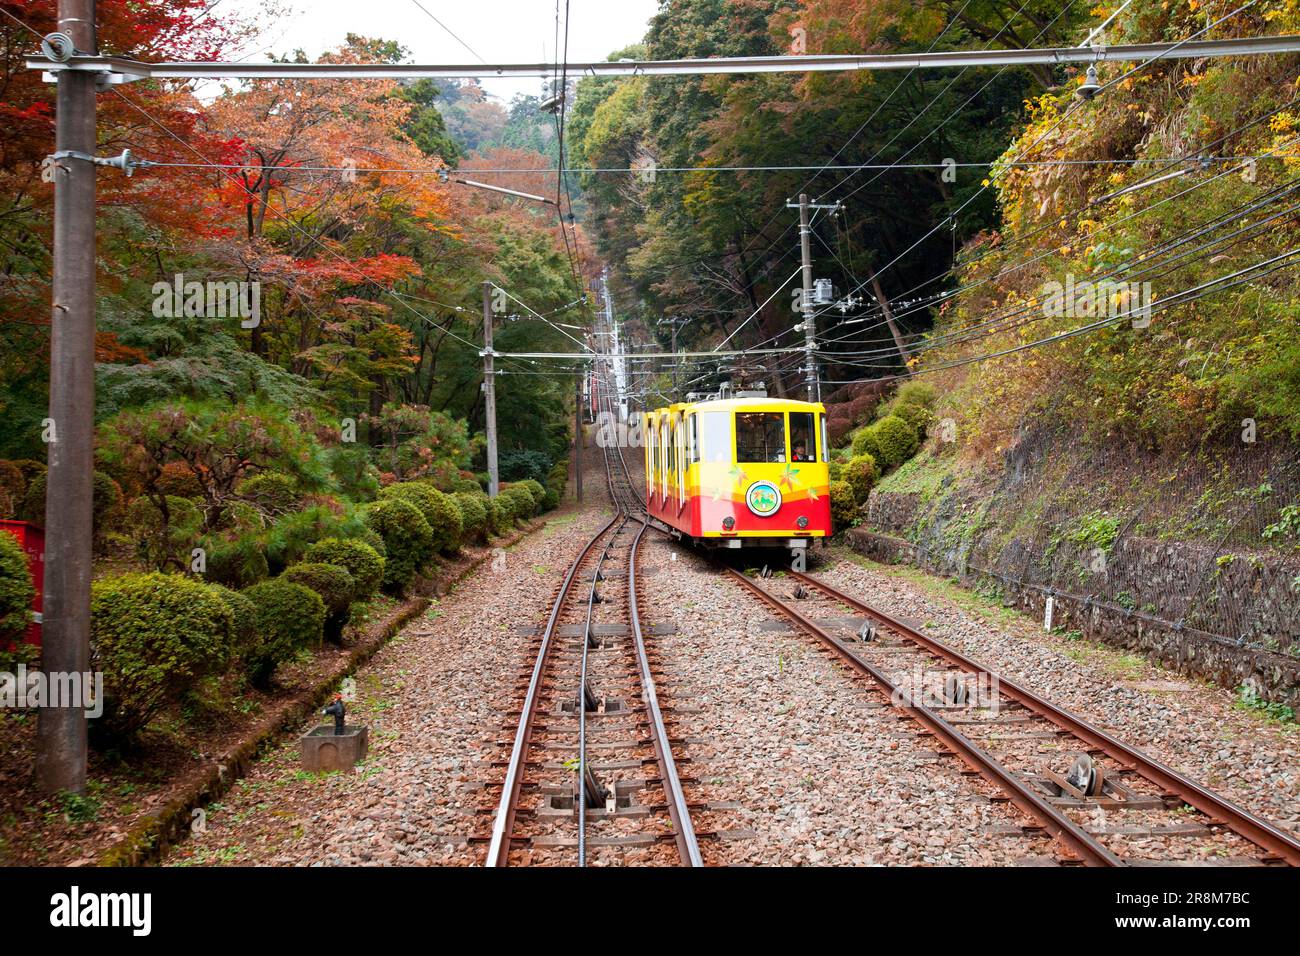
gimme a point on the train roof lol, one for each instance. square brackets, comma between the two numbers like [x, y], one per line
[755, 404]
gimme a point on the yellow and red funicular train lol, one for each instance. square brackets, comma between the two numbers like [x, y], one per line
[739, 471]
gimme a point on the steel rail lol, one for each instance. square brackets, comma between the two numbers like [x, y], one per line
[122, 69]
[503, 825]
[688, 846]
[1076, 839]
[1221, 811]
[581, 700]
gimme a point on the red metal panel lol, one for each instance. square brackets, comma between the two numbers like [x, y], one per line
[818, 513]
[32, 540]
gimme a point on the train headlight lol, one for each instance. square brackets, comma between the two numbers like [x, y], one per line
[728, 523]
[802, 522]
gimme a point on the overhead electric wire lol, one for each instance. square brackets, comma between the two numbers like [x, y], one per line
[279, 215]
[932, 301]
[1246, 206]
[1060, 119]
[449, 31]
[1180, 298]
[1149, 260]
[1078, 211]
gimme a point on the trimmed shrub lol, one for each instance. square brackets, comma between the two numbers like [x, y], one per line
[356, 476]
[521, 500]
[408, 540]
[473, 514]
[13, 487]
[153, 636]
[270, 492]
[447, 528]
[16, 590]
[159, 545]
[835, 469]
[178, 479]
[30, 468]
[356, 557]
[289, 618]
[243, 628]
[516, 465]
[371, 537]
[896, 439]
[919, 417]
[335, 587]
[237, 563]
[439, 511]
[860, 473]
[551, 500]
[865, 442]
[844, 510]
[106, 502]
[839, 424]
[537, 491]
[860, 409]
[501, 514]
[917, 393]
[289, 537]
[468, 485]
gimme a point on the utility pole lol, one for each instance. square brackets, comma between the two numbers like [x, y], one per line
[807, 303]
[61, 730]
[903, 353]
[674, 323]
[577, 431]
[490, 394]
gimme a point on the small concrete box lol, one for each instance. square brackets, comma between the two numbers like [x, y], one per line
[324, 750]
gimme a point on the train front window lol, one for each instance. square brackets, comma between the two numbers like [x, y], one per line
[760, 436]
[801, 437]
[714, 435]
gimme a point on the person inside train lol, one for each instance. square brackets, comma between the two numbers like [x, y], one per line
[799, 454]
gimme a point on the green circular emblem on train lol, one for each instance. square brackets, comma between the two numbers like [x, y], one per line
[763, 498]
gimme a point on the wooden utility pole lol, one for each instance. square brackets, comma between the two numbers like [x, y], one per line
[889, 319]
[70, 431]
[490, 394]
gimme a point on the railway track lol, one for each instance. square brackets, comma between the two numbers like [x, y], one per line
[576, 788]
[1104, 803]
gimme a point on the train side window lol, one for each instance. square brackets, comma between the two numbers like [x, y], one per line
[693, 438]
[714, 436]
[801, 437]
[825, 446]
[760, 436]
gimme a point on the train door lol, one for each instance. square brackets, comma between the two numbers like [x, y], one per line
[647, 444]
[681, 463]
[663, 464]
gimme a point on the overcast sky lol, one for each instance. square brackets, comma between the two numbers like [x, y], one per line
[499, 31]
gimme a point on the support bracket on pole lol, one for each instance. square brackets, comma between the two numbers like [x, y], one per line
[125, 162]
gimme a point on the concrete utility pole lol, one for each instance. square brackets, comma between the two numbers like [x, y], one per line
[806, 304]
[490, 394]
[577, 432]
[61, 731]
